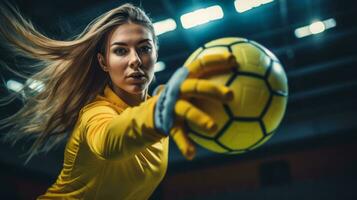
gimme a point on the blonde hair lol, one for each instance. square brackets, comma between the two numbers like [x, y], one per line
[69, 71]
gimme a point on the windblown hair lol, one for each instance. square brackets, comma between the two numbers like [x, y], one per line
[69, 71]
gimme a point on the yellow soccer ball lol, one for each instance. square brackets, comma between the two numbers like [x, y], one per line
[260, 96]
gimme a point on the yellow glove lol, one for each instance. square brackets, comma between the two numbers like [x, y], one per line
[173, 106]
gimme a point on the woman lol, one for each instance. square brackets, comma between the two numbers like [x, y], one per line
[95, 95]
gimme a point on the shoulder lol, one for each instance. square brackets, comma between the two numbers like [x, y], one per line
[100, 108]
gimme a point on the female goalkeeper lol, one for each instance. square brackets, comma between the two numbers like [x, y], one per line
[94, 96]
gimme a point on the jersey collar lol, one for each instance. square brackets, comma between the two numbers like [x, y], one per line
[110, 95]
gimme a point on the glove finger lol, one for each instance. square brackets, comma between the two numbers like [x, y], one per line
[186, 111]
[212, 64]
[182, 141]
[206, 89]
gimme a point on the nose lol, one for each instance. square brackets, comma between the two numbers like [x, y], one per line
[134, 60]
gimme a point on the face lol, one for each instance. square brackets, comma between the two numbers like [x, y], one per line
[130, 58]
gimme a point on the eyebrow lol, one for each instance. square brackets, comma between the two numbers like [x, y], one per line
[124, 44]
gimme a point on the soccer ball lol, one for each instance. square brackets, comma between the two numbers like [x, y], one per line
[260, 91]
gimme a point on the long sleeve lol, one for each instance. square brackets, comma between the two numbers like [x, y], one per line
[112, 135]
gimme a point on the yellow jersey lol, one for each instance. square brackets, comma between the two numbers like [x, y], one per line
[114, 152]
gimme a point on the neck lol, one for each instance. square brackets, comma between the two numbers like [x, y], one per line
[128, 98]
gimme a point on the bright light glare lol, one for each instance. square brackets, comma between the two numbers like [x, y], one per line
[201, 16]
[302, 32]
[214, 12]
[35, 85]
[14, 85]
[159, 66]
[317, 27]
[164, 26]
[329, 23]
[17, 86]
[244, 5]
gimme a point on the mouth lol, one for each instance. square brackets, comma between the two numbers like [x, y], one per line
[137, 76]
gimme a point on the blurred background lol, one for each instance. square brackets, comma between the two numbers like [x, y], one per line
[311, 156]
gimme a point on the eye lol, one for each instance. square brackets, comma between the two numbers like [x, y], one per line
[120, 51]
[145, 49]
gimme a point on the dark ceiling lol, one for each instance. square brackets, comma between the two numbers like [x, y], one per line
[321, 68]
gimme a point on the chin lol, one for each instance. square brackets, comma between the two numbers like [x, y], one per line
[137, 89]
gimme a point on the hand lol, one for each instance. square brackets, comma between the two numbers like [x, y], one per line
[173, 106]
